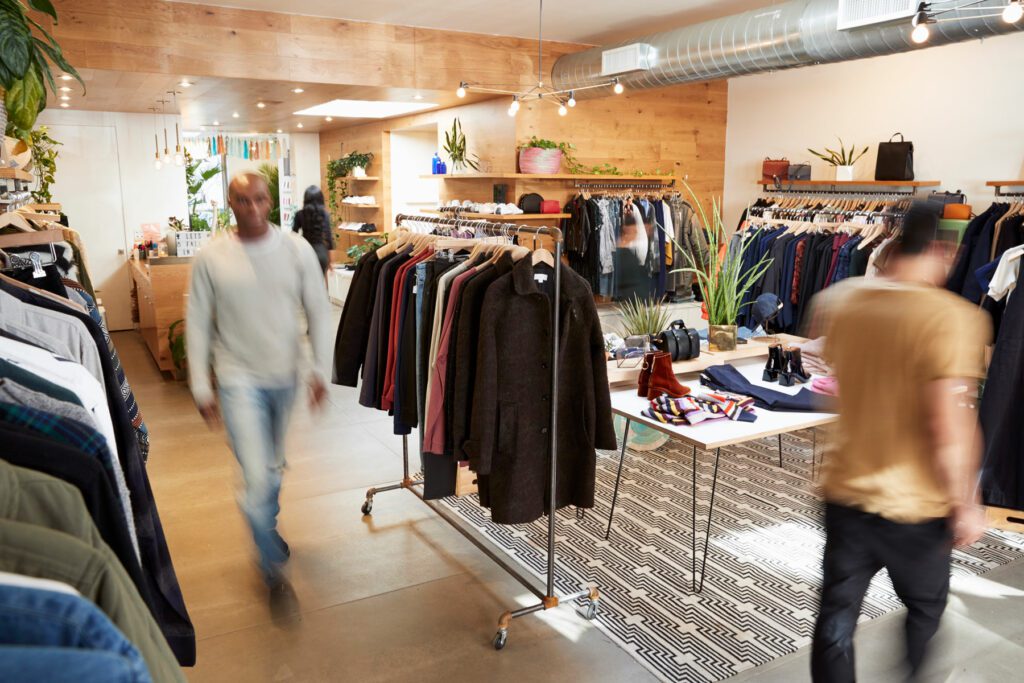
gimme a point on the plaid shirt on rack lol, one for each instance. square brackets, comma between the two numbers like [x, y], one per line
[141, 433]
[63, 429]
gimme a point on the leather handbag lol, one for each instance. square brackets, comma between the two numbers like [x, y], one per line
[530, 202]
[679, 341]
[895, 160]
[944, 198]
[773, 170]
[550, 206]
[957, 212]
[799, 172]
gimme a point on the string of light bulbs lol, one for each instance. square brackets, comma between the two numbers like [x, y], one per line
[930, 13]
[563, 99]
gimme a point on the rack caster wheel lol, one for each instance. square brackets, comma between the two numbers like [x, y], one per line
[367, 506]
[591, 612]
[500, 638]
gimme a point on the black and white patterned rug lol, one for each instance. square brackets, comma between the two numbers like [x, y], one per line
[764, 558]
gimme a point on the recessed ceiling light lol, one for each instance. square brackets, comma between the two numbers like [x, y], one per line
[261, 105]
[300, 125]
[185, 83]
[64, 98]
[216, 123]
[65, 77]
[65, 105]
[65, 88]
[364, 109]
[234, 114]
[329, 119]
[417, 96]
[279, 130]
[298, 91]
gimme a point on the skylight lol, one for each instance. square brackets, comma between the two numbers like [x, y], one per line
[364, 109]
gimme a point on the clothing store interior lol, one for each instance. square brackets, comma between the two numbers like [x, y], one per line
[388, 341]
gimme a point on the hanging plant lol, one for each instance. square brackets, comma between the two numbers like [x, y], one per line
[44, 159]
[337, 171]
[455, 148]
[25, 59]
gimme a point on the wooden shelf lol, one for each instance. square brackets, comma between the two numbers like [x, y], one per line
[856, 183]
[15, 174]
[551, 176]
[361, 206]
[501, 217]
[368, 177]
[1005, 183]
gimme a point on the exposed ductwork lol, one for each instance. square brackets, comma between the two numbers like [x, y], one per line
[786, 36]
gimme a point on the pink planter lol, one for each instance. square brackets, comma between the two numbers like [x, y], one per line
[537, 160]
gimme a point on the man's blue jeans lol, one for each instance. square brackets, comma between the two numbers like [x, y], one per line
[256, 419]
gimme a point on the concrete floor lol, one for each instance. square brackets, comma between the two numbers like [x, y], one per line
[401, 596]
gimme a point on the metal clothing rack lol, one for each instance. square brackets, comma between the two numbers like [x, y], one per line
[548, 598]
[865, 188]
[998, 185]
[634, 185]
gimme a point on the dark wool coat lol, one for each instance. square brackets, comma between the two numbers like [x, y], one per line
[510, 430]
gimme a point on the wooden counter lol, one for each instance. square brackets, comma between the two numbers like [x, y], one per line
[161, 286]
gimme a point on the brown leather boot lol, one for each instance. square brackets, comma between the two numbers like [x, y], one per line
[663, 379]
[643, 384]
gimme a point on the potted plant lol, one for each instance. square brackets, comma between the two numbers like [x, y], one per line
[722, 280]
[645, 317]
[338, 170]
[179, 358]
[455, 148]
[543, 156]
[194, 181]
[843, 160]
[25, 59]
[356, 251]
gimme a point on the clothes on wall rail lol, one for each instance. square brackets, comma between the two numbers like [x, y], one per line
[461, 344]
[75, 501]
[666, 227]
[812, 243]
[979, 273]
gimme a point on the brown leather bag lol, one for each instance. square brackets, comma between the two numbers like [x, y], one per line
[773, 170]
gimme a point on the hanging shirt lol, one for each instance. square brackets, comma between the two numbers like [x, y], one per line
[1004, 279]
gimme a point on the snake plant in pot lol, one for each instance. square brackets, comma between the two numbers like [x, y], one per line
[723, 280]
[25, 65]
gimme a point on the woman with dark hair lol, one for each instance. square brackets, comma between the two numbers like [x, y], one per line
[314, 223]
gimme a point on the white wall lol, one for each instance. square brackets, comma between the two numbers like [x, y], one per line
[305, 162]
[149, 196]
[961, 105]
[411, 152]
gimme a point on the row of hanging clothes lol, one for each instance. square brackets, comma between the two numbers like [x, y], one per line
[810, 243]
[86, 578]
[632, 244]
[455, 336]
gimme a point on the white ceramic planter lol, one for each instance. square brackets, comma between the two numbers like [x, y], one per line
[358, 172]
[844, 173]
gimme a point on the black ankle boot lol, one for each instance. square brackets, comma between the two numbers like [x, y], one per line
[774, 364]
[786, 376]
[797, 367]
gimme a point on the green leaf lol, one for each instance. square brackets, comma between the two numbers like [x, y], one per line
[15, 47]
[22, 100]
[57, 57]
[44, 6]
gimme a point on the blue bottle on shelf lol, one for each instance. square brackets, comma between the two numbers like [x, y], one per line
[442, 168]
[435, 164]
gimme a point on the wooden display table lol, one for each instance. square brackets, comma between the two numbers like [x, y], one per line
[161, 285]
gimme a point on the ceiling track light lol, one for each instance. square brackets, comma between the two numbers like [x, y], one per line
[1013, 12]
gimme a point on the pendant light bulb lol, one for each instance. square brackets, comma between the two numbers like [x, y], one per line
[515, 105]
[511, 111]
[1013, 12]
[157, 165]
[562, 111]
[920, 34]
[461, 92]
[572, 99]
[619, 88]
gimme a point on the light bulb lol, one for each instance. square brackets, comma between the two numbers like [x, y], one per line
[299, 126]
[920, 34]
[279, 130]
[185, 83]
[328, 119]
[298, 91]
[572, 100]
[261, 105]
[1013, 12]
[64, 105]
[562, 111]
[157, 165]
[234, 114]
[166, 158]
[64, 98]
[511, 111]
[515, 104]
[65, 88]
[618, 88]
[461, 92]
[179, 159]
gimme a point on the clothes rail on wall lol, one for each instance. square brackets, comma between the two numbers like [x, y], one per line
[635, 185]
[547, 596]
[848, 187]
[998, 185]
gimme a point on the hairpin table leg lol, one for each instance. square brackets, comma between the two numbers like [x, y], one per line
[618, 478]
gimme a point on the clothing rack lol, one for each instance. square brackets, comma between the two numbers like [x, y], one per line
[547, 596]
[895, 189]
[639, 184]
[998, 185]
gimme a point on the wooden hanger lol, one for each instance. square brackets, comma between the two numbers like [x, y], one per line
[49, 295]
[15, 219]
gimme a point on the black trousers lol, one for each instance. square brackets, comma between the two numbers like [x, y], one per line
[858, 545]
